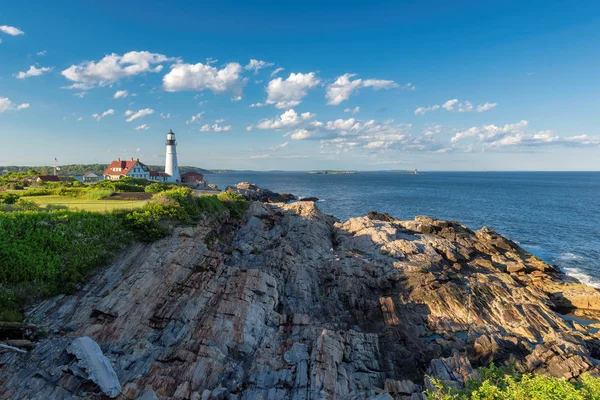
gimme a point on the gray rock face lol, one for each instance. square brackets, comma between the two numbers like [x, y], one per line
[97, 367]
[292, 304]
[254, 193]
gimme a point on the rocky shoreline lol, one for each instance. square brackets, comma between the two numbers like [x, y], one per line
[294, 304]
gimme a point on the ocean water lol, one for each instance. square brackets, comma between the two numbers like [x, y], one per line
[554, 215]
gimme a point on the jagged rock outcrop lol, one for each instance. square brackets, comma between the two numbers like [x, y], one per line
[254, 193]
[293, 304]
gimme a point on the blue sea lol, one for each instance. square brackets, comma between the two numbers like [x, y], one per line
[554, 215]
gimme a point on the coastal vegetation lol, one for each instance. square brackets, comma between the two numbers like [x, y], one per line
[49, 251]
[495, 383]
[79, 169]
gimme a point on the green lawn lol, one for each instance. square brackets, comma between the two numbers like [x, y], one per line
[88, 205]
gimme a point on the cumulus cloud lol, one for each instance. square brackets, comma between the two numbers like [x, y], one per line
[454, 105]
[42, 53]
[7, 105]
[288, 119]
[11, 30]
[486, 107]
[33, 71]
[165, 116]
[114, 67]
[344, 86]
[369, 136]
[425, 110]
[183, 77]
[290, 92]
[143, 127]
[517, 136]
[133, 115]
[257, 105]
[194, 118]
[98, 117]
[354, 110]
[256, 65]
[121, 93]
[215, 128]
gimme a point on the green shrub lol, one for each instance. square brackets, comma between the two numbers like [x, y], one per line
[36, 192]
[235, 203]
[52, 252]
[496, 383]
[157, 187]
[9, 198]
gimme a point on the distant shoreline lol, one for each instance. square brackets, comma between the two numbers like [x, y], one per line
[331, 172]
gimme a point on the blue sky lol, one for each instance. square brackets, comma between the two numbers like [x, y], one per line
[463, 85]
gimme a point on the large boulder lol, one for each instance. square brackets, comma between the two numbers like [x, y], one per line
[252, 192]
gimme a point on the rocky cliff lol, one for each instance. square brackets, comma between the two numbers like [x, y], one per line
[292, 304]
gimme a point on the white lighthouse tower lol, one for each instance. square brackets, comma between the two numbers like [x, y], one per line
[171, 166]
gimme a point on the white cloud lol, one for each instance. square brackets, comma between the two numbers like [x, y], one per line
[79, 119]
[354, 110]
[165, 116]
[33, 71]
[78, 86]
[378, 84]
[98, 117]
[449, 105]
[143, 127]
[202, 77]
[257, 105]
[7, 105]
[81, 95]
[278, 146]
[288, 119]
[194, 118]
[137, 114]
[486, 107]
[276, 71]
[344, 86]
[425, 110]
[121, 93]
[455, 105]
[342, 89]
[517, 137]
[302, 134]
[114, 67]
[256, 65]
[290, 92]
[11, 30]
[215, 128]
[42, 53]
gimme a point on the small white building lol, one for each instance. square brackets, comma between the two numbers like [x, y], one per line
[133, 168]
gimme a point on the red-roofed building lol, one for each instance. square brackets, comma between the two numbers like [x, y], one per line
[159, 176]
[192, 177]
[132, 168]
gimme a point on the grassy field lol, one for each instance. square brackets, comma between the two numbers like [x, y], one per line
[88, 205]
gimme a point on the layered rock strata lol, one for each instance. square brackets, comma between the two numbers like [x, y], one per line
[293, 304]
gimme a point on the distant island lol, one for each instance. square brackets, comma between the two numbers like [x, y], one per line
[331, 172]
